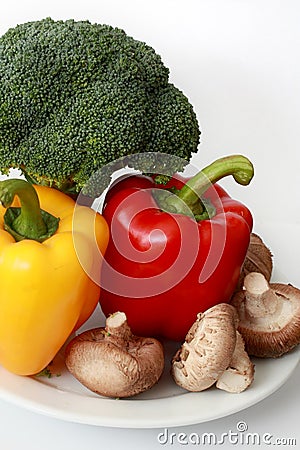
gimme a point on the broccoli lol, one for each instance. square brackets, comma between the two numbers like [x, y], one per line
[78, 100]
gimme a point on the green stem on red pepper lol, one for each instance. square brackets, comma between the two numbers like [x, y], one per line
[29, 221]
[188, 199]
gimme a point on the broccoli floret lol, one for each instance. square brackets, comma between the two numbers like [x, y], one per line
[79, 99]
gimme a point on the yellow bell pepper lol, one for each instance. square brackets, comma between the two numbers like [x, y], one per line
[49, 272]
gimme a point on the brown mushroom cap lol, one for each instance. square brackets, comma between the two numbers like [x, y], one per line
[269, 316]
[112, 362]
[240, 373]
[207, 350]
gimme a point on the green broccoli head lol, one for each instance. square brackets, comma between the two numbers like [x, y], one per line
[76, 96]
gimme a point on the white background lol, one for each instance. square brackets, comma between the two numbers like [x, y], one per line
[238, 62]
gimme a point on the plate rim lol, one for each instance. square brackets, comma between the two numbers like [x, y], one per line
[134, 419]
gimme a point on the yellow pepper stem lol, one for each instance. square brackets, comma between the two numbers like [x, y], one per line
[29, 221]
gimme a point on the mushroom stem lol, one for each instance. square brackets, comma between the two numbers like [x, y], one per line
[240, 373]
[260, 299]
[117, 325]
[258, 259]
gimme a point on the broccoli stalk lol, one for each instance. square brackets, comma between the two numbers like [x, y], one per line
[78, 100]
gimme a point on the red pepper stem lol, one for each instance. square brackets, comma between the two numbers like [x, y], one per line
[236, 165]
[29, 221]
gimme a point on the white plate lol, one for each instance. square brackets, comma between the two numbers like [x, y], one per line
[165, 405]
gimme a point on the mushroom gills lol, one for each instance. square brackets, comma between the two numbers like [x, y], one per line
[207, 350]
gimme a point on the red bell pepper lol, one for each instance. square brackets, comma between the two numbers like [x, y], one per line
[174, 252]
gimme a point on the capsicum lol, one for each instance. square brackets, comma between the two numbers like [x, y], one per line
[174, 250]
[48, 250]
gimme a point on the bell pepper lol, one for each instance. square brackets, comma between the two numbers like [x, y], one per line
[174, 250]
[49, 249]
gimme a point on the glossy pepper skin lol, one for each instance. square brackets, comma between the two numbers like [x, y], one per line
[46, 290]
[162, 268]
